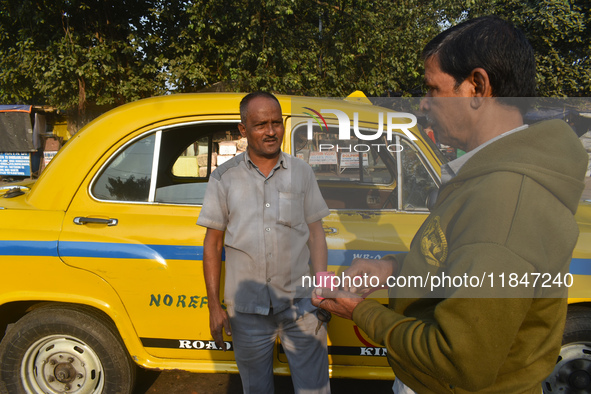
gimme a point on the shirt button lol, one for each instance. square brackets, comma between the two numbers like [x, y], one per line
[268, 279]
[268, 229]
[266, 182]
[267, 205]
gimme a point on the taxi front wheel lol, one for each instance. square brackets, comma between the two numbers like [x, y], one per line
[65, 349]
[572, 373]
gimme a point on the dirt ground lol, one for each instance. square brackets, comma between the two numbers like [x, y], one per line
[180, 382]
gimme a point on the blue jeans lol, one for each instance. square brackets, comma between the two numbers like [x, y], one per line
[254, 338]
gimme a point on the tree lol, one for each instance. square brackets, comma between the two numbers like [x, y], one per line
[83, 54]
[313, 48]
[74, 53]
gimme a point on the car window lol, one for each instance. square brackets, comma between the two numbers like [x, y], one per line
[361, 174]
[193, 162]
[127, 178]
[169, 166]
[417, 182]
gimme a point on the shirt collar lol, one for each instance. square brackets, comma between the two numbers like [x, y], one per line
[451, 169]
[282, 161]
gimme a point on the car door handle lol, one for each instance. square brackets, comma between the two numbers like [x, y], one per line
[330, 230]
[82, 220]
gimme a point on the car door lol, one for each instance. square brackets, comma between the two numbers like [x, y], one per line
[378, 196]
[133, 223]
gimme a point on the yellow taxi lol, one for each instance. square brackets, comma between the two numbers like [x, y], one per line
[102, 259]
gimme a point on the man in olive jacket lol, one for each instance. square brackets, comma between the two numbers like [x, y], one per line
[506, 208]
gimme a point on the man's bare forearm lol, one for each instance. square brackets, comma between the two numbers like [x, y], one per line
[318, 248]
[212, 264]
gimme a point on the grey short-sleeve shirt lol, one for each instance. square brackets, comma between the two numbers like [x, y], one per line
[266, 223]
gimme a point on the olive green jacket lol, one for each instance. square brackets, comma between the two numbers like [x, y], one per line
[509, 210]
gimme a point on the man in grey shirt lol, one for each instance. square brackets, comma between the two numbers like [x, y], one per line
[269, 205]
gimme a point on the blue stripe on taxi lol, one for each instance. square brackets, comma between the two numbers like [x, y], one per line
[183, 252]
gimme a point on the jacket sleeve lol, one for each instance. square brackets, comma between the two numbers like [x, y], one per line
[457, 355]
[462, 340]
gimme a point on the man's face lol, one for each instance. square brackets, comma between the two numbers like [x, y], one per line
[263, 127]
[447, 107]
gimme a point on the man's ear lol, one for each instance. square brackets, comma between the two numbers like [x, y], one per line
[242, 129]
[480, 85]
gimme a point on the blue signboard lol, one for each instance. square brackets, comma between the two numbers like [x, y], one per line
[16, 164]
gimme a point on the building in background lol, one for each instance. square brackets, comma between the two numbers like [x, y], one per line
[29, 138]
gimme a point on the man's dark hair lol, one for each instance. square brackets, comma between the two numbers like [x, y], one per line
[493, 44]
[251, 96]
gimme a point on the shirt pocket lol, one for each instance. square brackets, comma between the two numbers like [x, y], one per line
[291, 209]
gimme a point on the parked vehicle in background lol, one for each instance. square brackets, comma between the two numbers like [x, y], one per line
[101, 257]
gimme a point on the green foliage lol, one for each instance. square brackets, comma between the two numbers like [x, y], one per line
[70, 53]
[312, 48]
[75, 54]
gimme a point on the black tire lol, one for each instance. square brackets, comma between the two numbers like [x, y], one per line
[65, 348]
[572, 373]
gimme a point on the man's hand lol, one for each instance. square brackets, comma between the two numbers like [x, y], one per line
[218, 320]
[381, 269]
[339, 302]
